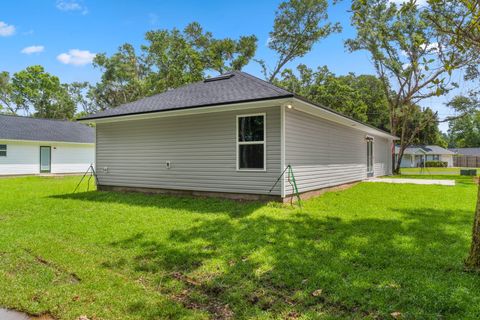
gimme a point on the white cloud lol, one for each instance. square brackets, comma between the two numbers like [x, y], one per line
[76, 57]
[33, 49]
[71, 5]
[6, 29]
[431, 47]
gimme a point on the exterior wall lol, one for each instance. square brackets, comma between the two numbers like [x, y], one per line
[24, 157]
[408, 161]
[201, 149]
[72, 158]
[325, 154]
[447, 158]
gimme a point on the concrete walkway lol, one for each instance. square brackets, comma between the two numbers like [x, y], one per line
[413, 181]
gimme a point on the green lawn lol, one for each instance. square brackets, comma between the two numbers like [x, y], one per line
[436, 171]
[365, 252]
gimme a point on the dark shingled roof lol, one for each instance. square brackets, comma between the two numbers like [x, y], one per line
[26, 128]
[231, 87]
[466, 151]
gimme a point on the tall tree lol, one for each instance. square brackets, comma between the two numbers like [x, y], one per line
[35, 91]
[460, 20]
[169, 59]
[360, 97]
[412, 59]
[298, 25]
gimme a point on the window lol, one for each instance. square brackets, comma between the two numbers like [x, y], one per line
[436, 157]
[251, 142]
[3, 150]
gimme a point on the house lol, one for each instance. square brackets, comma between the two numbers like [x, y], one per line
[34, 146]
[416, 156]
[233, 136]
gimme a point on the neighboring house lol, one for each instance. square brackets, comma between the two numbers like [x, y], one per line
[475, 152]
[33, 146]
[415, 156]
[233, 136]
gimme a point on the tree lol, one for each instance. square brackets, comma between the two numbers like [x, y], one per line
[35, 91]
[171, 58]
[298, 25]
[464, 131]
[412, 59]
[460, 20]
[359, 97]
[6, 94]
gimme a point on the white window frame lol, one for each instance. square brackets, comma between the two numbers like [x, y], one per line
[6, 150]
[264, 142]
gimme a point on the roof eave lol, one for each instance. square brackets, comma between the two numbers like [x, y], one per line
[335, 116]
[90, 119]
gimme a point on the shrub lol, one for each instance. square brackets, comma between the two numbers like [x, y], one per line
[436, 164]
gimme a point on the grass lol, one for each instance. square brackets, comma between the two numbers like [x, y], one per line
[435, 171]
[363, 253]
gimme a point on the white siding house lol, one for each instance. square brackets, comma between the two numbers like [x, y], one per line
[233, 136]
[416, 156]
[33, 146]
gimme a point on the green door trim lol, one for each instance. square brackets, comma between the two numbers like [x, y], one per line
[50, 160]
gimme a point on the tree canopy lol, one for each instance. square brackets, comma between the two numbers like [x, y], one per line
[34, 91]
[298, 25]
[412, 58]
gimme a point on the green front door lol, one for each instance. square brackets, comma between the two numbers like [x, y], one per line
[45, 159]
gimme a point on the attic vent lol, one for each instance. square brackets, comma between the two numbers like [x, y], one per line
[224, 77]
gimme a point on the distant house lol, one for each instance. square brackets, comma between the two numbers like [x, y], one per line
[233, 136]
[416, 156]
[33, 146]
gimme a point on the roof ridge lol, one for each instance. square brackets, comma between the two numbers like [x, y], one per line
[262, 82]
[34, 118]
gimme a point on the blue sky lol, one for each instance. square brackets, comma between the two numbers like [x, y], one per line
[64, 35]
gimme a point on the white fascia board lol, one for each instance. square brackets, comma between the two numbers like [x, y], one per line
[334, 117]
[192, 111]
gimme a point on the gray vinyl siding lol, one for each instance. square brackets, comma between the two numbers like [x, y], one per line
[201, 148]
[324, 154]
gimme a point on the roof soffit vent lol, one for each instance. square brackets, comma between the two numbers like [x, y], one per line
[222, 77]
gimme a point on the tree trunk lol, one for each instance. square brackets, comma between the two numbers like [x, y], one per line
[473, 260]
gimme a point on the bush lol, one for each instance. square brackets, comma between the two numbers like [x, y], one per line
[436, 164]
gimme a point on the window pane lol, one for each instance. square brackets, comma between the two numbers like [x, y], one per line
[3, 153]
[250, 128]
[3, 147]
[250, 156]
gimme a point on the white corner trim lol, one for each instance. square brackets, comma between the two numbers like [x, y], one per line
[282, 149]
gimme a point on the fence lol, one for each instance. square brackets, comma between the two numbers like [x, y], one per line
[466, 161]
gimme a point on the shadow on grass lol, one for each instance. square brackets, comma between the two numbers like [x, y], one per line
[307, 264]
[235, 209]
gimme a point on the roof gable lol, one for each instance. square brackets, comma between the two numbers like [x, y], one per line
[34, 129]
